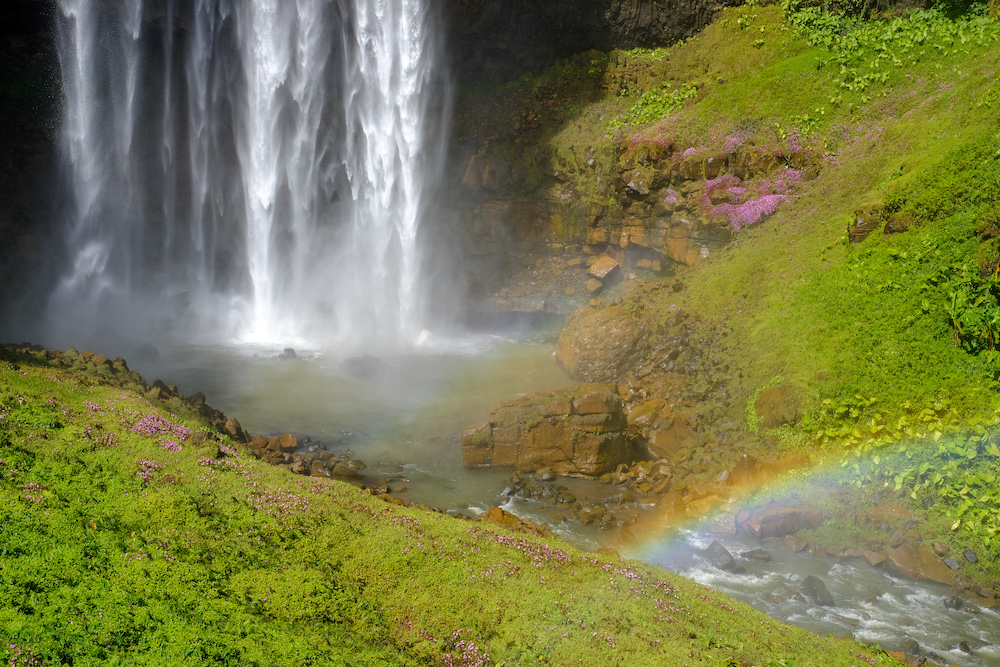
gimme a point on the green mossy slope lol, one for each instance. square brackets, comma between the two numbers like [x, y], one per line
[127, 537]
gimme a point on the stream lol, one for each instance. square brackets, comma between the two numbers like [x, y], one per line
[404, 414]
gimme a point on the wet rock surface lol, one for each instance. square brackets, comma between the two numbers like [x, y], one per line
[578, 430]
[599, 344]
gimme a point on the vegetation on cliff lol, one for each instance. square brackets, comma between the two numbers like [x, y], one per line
[858, 163]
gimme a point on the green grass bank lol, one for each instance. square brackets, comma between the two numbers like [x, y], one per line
[130, 535]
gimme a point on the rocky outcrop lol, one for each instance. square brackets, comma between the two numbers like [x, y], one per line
[503, 38]
[599, 344]
[775, 406]
[577, 430]
[915, 561]
[779, 521]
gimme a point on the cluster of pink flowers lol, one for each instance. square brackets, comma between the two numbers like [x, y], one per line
[18, 656]
[31, 489]
[277, 502]
[154, 425]
[771, 194]
[93, 407]
[735, 141]
[147, 469]
[171, 446]
[538, 553]
[466, 653]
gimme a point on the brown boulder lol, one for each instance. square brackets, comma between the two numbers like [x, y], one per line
[600, 343]
[283, 443]
[915, 561]
[670, 437]
[774, 406]
[778, 521]
[578, 430]
[605, 269]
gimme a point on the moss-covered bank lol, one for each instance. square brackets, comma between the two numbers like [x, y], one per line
[129, 536]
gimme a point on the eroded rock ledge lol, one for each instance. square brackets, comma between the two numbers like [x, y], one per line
[575, 431]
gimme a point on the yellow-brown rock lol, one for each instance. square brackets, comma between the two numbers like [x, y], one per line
[578, 430]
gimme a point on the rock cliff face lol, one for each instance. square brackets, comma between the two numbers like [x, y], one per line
[29, 98]
[574, 431]
[503, 38]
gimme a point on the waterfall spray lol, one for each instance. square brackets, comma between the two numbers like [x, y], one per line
[250, 171]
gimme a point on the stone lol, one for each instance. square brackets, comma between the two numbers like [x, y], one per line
[577, 431]
[671, 437]
[545, 474]
[779, 521]
[283, 443]
[868, 218]
[644, 414]
[605, 269]
[720, 557]
[599, 343]
[794, 544]
[775, 406]
[815, 589]
[941, 549]
[594, 285]
[873, 558]
[950, 562]
[345, 471]
[915, 561]
[757, 554]
[986, 602]
[970, 556]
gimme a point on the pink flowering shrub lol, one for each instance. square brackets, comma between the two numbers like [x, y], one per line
[154, 425]
[171, 446]
[740, 212]
[147, 470]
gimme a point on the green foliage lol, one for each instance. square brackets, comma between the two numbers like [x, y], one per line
[867, 53]
[656, 104]
[957, 471]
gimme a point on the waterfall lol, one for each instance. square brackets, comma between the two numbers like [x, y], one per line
[252, 171]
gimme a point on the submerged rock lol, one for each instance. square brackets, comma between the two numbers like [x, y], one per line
[720, 557]
[365, 366]
[779, 521]
[816, 590]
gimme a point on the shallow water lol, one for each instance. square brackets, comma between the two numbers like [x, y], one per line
[405, 409]
[874, 607]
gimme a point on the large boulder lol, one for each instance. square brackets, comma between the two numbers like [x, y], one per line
[915, 561]
[780, 521]
[600, 343]
[775, 406]
[578, 431]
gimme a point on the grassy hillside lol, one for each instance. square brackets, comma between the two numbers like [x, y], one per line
[129, 535]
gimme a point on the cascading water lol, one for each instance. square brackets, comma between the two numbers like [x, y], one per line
[249, 170]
